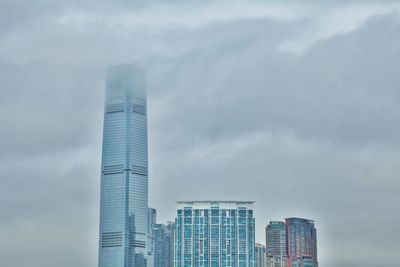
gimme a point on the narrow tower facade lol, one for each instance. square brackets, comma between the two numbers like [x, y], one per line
[276, 244]
[301, 242]
[124, 171]
[259, 255]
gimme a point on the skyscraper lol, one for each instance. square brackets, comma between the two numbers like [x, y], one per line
[124, 177]
[259, 255]
[151, 223]
[214, 234]
[301, 242]
[164, 245]
[276, 244]
[291, 244]
[171, 230]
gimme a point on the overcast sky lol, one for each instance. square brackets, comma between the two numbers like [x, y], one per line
[293, 104]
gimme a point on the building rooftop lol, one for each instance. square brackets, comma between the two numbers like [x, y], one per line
[260, 245]
[299, 219]
[223, 204]
[214, 202]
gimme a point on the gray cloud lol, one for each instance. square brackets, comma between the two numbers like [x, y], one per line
[292, 105]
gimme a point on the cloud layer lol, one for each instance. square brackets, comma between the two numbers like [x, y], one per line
[293, 105]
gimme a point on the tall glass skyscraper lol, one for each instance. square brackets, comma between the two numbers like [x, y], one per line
[124, 171]
[214, 234]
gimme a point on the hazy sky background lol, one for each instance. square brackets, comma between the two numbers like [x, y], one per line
[293, 104]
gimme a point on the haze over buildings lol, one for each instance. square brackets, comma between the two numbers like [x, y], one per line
[304, 91]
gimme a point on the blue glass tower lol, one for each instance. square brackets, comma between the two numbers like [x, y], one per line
[124, 171]
[214, 234]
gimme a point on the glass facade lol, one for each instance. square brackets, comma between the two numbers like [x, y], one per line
[124, 171]
[292, 243]
[214, 234]
[151, 221]
[275, 240]
[164, 245]
[301, 242]
[259, 255]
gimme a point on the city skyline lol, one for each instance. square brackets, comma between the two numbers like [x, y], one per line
[288, 243]
[293, 104]
[207, 232]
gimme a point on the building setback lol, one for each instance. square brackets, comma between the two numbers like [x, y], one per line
[214, 234]
[124, 177]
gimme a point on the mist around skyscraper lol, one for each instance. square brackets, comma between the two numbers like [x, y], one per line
[204, 233]
[294, 105]
[215, 233]
[124, 214]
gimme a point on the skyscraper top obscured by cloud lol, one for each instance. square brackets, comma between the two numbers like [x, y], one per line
[125, 80]
[124, 171]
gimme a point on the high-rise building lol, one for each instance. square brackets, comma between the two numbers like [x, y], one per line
[292, 243]
[164, 245]
[301, 242]
[276, 244]
[151, 222]
[259, 255]
[214, 234]
[171, 230]
[124, 171]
